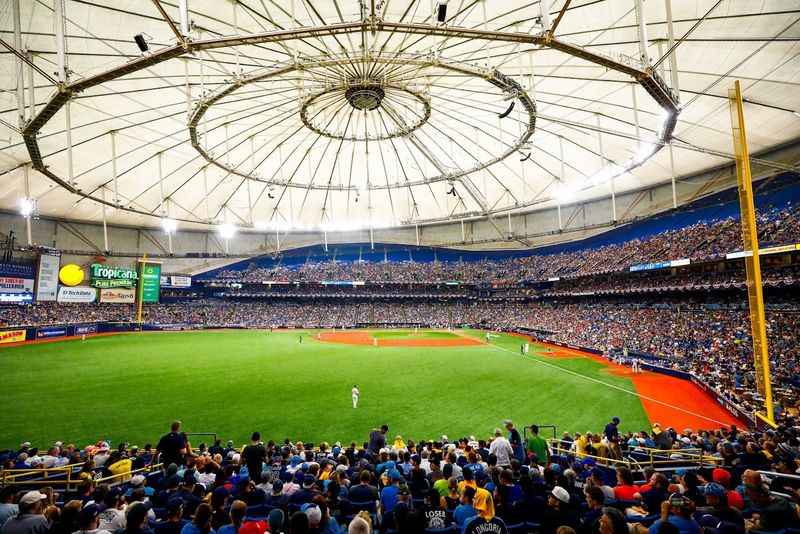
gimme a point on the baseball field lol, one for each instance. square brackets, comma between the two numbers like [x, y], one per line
[297, 384]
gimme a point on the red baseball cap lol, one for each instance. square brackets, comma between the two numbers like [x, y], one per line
[721, 476]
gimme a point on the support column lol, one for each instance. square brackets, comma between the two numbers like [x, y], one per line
[68, 129]
[187, 87]
[673, 59]
[20, 68]
[205, 191]
[31, 88]
[114, 166]
[636, 116]
[602, 166]
[561, 178]
[105, 226]
[672, 173]
[643, 55]
[26, 176]
[183, 13]
[544, 7]
[60, 23]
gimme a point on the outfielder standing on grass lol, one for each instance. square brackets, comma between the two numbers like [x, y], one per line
[355, 393]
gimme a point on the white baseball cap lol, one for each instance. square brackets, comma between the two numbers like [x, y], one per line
[32, 497]
[561, 494]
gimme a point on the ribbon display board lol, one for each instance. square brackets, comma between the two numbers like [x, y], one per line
[150, 281]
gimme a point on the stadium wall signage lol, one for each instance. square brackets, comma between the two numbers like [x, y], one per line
[16, 278]
[176, 281]
[151, 281]
[12, 336]
[659, 265]
[70, 275]
[85, 329]
[77, 294]
[106, 277]
[118, 296]
[47, 277]
[51, 331]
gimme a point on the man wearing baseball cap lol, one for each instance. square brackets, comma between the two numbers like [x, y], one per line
[557, 512]
[30, 519]
[88, 520]
[718, 509]
[677, 510]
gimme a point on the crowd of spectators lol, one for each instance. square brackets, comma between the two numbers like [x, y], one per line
[497, 484]
[700, 241]
[670, 280]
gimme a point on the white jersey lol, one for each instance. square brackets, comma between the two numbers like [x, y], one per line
[355, 392]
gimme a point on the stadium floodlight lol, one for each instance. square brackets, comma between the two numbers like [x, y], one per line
[169, 225]
[141, 42]
[27, 206]
[226, 231]
[441, 11]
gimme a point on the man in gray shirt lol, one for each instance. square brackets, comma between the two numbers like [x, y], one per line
[30, 519]
[7, 507]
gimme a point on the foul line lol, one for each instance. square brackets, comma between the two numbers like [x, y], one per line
[614, 386]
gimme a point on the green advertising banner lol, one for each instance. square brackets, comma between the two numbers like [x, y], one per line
[151, 282]
[111, 277]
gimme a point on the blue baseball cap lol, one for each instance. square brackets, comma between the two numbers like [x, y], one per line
[714, 489]
[394, 474]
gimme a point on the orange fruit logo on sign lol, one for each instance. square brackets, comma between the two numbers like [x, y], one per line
[70, 275]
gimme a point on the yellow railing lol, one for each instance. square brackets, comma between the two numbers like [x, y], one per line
[654, 457]
[52, 476]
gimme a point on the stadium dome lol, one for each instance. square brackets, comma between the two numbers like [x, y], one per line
[341, 114]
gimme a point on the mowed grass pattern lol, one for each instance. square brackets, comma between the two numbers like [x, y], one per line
[129, 387]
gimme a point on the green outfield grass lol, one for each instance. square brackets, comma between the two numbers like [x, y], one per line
[129, 387]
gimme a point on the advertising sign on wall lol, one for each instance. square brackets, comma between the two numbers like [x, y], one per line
[16, 298]
[107, 276]
[76, 294]
[71, 275]
[47, 277]
[51, 331]
[85, 329]
[181, 281]
[12, 336]
[118, 296]
[150, 281]
[16, 278]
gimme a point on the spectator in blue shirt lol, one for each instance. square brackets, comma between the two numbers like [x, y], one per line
[201, 524]
[389, 493]
[465, 510]
[678, 511]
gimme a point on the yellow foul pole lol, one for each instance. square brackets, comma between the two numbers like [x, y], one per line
[140, 290]
[755, 295]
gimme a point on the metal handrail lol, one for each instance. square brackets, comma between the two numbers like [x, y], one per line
[655, 457]
[8, 477]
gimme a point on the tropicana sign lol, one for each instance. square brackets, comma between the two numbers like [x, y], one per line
[104, 276]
